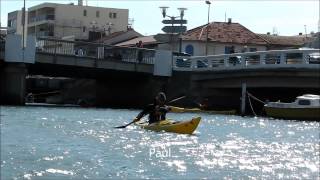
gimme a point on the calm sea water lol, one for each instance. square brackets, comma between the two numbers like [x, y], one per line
[80, 143]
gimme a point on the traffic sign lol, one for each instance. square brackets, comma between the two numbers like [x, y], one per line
[174, 29]
[178, 21]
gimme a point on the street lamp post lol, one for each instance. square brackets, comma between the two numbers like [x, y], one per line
[180, 34]
[23, 28]
[109, 24]
[95, 28]
[207, 2]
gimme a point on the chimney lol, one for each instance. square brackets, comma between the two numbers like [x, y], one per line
[268, 33]
[229, 20]
[80, 2]
[300, 34]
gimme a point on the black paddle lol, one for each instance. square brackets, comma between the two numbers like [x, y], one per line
[174, 100]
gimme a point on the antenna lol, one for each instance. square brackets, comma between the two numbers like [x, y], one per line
[275, 31]
[305, 30]
[130, 22]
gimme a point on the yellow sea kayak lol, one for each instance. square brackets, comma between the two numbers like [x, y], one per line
[181, 127]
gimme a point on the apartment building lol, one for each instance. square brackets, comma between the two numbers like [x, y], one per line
[62, 20]
[15, 23]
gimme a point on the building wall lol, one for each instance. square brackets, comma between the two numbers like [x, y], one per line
[70, 19]
[15, 26]
[217, 48]
[67, 15]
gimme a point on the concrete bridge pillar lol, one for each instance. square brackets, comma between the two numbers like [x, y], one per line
[13, 83]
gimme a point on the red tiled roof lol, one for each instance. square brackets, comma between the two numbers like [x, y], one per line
[115, 34]
[225, 33]
[286, 40]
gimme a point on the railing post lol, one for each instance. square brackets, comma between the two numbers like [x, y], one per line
[283, 58]
[193, 64]
[262, 59]
[226, 61]
[305, 58]
[55, 52]
[243, 60]
[209, 63]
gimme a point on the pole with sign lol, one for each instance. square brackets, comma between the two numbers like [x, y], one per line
[177, 25]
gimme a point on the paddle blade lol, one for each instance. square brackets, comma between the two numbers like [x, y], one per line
[119, 127]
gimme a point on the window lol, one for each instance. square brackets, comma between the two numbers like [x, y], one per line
[12, 23]
[112, 15]
[253, 49]
[9, 23]
[97, 13]
[304, 102]
[84, 12]
[227, 49]
[189, 49]
[83, 29]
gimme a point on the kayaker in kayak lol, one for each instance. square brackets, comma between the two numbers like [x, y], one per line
[156, 111]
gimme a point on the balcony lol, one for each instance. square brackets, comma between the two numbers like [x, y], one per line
[44, 33]
[44, 17]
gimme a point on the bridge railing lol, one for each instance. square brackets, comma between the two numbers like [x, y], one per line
[275, 58]
[96, 51]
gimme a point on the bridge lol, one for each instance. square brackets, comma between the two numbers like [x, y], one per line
[133, 74]
[82, 57]
[272, 75]
[116, 66]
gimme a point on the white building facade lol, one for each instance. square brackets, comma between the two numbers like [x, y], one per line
[197, 48]
[62, 20]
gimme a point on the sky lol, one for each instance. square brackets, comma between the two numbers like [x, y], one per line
[286, 17]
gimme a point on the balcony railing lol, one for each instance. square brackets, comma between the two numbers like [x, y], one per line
[44, 33]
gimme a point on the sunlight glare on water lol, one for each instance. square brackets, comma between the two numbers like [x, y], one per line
[80, 143]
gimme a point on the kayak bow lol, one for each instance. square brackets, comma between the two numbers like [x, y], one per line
[181, 127]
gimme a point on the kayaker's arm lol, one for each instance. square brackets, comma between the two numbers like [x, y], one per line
[144, 112]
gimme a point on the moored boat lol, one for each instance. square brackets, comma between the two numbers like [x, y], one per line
[305, 107]
[181, 127]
